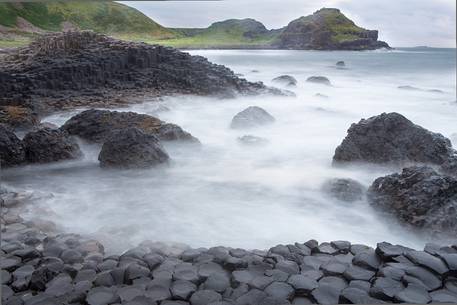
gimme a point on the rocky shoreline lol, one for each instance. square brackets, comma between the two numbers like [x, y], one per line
[41, 266]
[68, 70]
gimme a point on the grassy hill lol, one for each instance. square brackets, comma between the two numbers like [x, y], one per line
[20, 20]
[230, 33]
[326, 29]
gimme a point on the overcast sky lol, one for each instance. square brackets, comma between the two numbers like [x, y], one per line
[400, 22]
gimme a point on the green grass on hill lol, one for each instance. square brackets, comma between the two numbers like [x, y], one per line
[104, 17]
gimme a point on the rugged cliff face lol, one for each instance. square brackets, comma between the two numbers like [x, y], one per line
[327, 29]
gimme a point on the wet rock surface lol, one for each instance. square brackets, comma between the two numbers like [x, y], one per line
[252, 116]
[392, 138]
[98, 125]
[50, 145]
[285, 80]
[132, 148]
[344, 189]
[71, 269]
[319, 80]
[85, 64]
[420, 197]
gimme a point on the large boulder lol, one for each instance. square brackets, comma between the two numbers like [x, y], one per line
[50, 145]
[285, 80]
[251, 117]
[11, 149]
[344, 189]
[392, 138]
[98, 125]
[132, 148]
[418, 196]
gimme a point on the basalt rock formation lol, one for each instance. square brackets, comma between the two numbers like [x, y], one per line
[98, 126]
[40, 268]
[419, 197]
[74, 64]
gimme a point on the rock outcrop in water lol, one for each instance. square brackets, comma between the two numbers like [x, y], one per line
[344, 189]
[285, 80]
[132, 148]
[50, 145]
[420, 197]
[252, 116]
[64, 68]
[319, 80]
[98, 126]
[392, 138]
[38, 268]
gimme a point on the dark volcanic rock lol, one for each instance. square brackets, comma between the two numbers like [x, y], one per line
[420, 197]
[327, 29]
[340, 63]
[98, 125]
[344, 189]
[251, 117]
[50, 145]
[132, 148]
[90, 63]
[392, 138]
[285, 80]
[11, 148]
[319, 80]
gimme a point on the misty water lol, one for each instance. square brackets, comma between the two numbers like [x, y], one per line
[228, 194]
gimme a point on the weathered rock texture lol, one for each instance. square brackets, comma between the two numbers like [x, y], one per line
[327, 29]
[420, 197]
[50, 145]
[132, 148]
[98, 125]
[18, 117]
[251, 117]
[392, 138]
[60, 66]
[11, 149]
